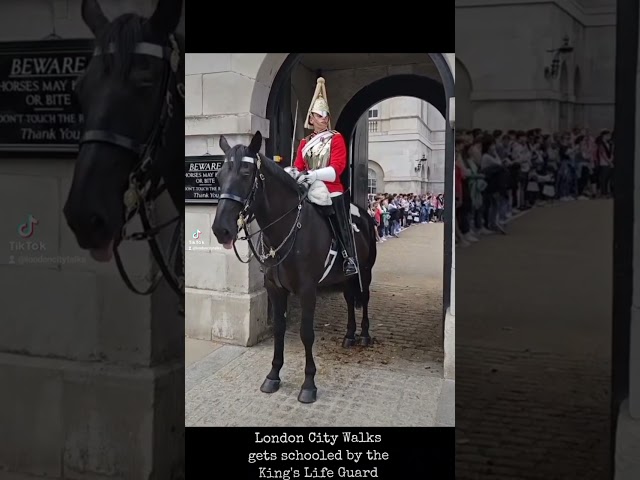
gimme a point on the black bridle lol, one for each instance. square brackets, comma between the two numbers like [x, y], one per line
[144, 182]
[246, 216]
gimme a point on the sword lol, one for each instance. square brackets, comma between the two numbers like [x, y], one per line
[293, 137]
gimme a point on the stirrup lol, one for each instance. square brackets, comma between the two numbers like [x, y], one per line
[350, 267]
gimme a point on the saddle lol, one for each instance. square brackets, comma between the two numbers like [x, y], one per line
[324, 210]
[318, 195]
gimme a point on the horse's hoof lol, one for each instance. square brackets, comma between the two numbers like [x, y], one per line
[348, 342]
[270, 386]
[365, 341]
[307, 395]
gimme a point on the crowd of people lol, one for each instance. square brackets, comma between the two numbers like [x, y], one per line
[395, 212]
[499, 174]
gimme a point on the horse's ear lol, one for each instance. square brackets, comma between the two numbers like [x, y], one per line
[224, 145]
[256, 143]
[167, 16]
[93, 16]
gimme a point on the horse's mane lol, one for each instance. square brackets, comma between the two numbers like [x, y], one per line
[273, 169]
[124, 32]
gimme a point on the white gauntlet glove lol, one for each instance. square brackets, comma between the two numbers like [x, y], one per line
[308, 178]
[326, 174]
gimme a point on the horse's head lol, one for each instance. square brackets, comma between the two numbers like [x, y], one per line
[123, 96]
[236, 179]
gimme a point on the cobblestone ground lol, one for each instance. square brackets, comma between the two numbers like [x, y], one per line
[405, 311]
[396, 382]
[533, 347]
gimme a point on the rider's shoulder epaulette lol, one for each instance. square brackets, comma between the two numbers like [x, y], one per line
[334, 132]
[309, 137]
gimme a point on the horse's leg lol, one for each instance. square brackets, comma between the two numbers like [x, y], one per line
[307, 335]
[278, 299]
[349, 338]
[364, 338]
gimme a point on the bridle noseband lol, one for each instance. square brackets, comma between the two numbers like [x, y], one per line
[144, 150]
[145, 183]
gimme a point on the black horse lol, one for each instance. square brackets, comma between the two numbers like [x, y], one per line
[132, 99]
[294, 241]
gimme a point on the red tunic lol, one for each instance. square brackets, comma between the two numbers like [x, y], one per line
[337, 160]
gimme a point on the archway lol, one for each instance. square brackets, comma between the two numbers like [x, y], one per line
[417, 86]
[464, 87]
[277, 70]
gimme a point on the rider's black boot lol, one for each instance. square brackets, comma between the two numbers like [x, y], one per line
[342, 224]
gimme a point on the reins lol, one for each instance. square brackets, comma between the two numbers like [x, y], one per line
[246, 216]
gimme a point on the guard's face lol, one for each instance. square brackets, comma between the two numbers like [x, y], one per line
[318, 121]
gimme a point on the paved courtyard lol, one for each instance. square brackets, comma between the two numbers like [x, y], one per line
[533, 347]
[396, 382]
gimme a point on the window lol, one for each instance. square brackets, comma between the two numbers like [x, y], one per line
[373, 126]
[373, 113]
[372, 182]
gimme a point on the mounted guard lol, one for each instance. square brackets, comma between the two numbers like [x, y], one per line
[323, 156]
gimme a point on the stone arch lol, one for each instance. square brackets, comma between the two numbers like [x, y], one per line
[411, 85]
[430, 91]
[464, 107]
[276, 66]
[274, 70]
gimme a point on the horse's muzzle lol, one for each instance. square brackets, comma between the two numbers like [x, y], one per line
[225, 225]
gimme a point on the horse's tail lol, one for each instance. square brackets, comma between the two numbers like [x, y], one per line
[358, 299]
[373, 244]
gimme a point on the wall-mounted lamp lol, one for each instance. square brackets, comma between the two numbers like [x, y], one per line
[421, 163]
[554, 69]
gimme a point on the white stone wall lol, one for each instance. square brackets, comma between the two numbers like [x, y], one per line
[406, 129]
[508, 89]
[76, 347]
[225, 299]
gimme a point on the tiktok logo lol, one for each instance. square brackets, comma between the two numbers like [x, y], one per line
[196, 234]
[27, 229]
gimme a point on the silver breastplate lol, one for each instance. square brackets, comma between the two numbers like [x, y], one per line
[319, 155]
